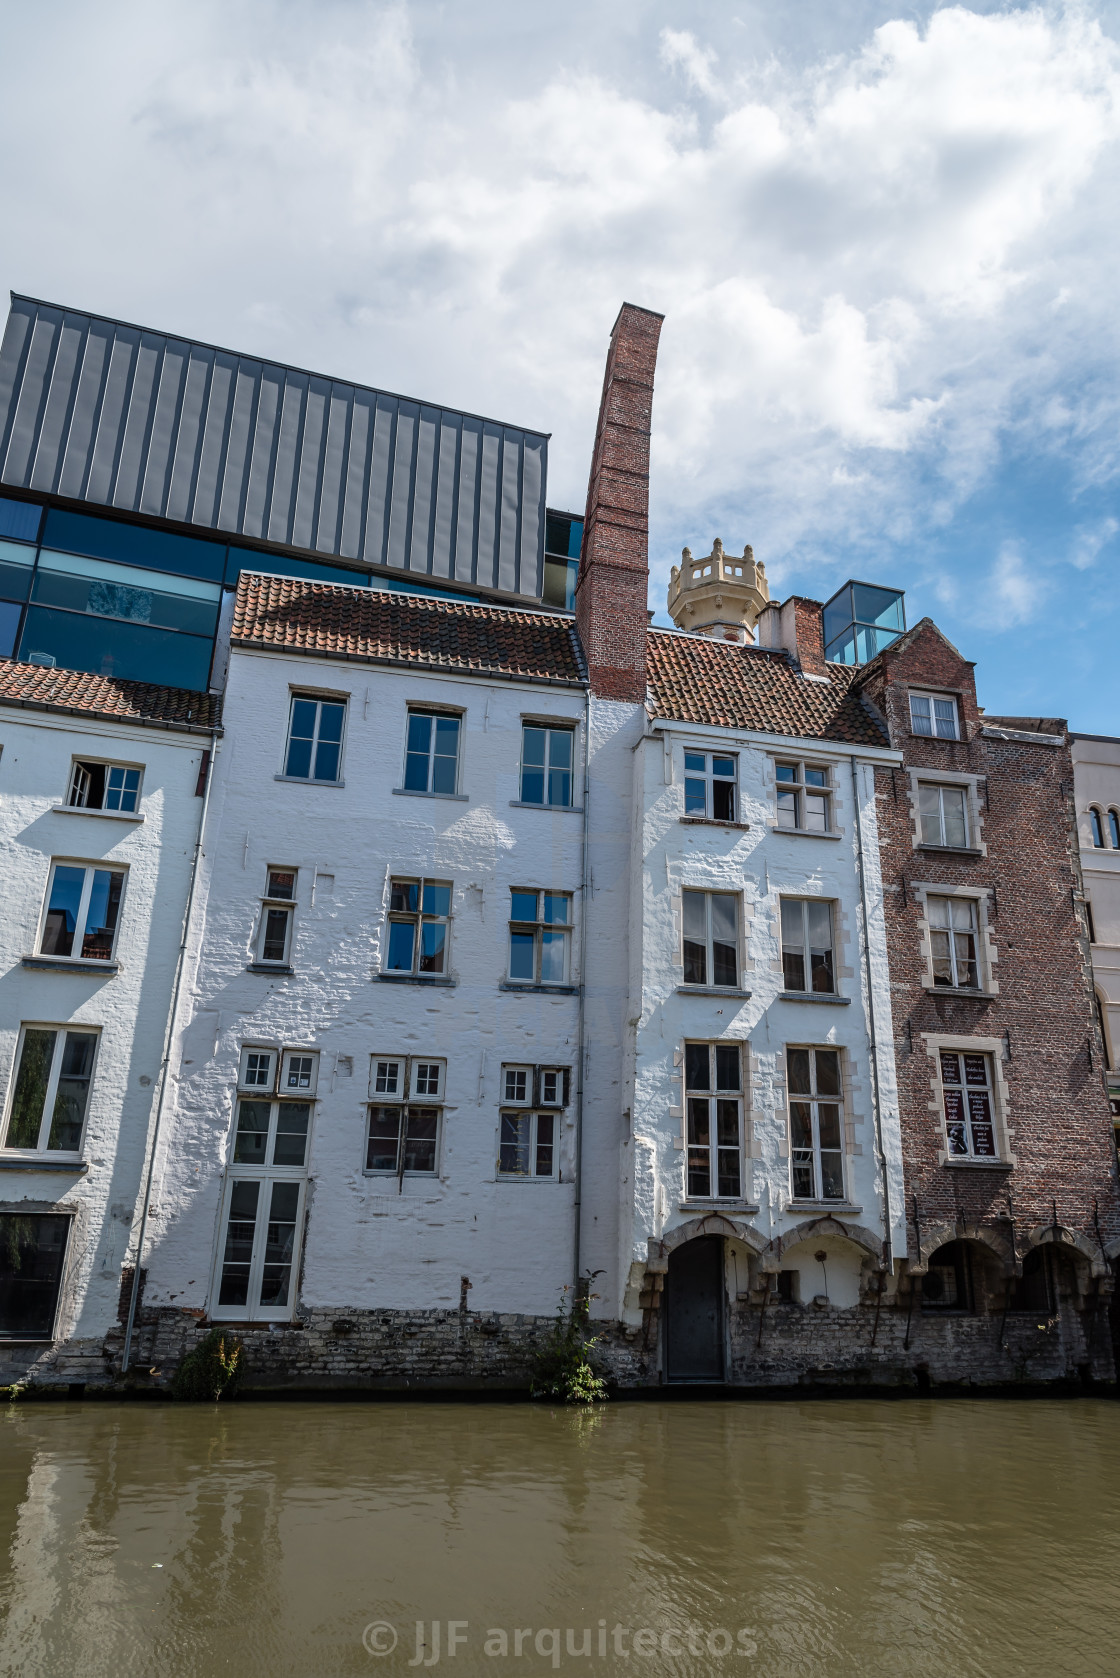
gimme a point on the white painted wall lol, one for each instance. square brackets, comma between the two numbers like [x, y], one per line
[761, 863]
[1096, 782]
[367, 1245]
[130, 1007]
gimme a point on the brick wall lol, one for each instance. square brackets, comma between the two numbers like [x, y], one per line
[613, 574]
[1037, 1015]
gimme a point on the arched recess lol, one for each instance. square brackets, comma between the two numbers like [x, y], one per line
[1096, 827]
[940, 1235]
[1071, 1243]
[814, 1228]
[712, 1223]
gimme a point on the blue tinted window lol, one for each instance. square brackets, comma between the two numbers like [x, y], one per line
[879, 606]
[156, 550]
[276, 565]
[15, 570]
[123, 591]
[9, 627]
[19, 519]
[108, 647]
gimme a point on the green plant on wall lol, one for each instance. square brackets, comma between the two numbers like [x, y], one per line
[563, 1367]
[212, 1371]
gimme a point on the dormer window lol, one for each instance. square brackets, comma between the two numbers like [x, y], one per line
[934, 715]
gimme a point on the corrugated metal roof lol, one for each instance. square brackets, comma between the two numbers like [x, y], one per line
[119, 416]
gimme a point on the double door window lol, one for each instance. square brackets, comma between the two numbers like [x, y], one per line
[262, 1211]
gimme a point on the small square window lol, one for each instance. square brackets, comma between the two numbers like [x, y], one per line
[104, 786]
[943, 815]
[804, 797]
[427, 1079]
[386, 1078]
[518, 1083]
[299, 1072]
[710, 785]
[258, 1069]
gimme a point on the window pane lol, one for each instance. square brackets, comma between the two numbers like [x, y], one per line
[546, 1126]
[560, 748]
[695, 915]
[31, 1089]
[559, 788]
[330, 721]
[1114, 829]
[9, 627]
[786, 771]
[402, 935]
[696, 1070]
[724, 766]
[921, 720]
[727, 1066]
[300, 737]
[238, 1255]
[723, 801]
[828, 1072]
[787, 809]
[62, 912]
[281, 883]
[523, 905]
[725, 964]
[819, 916]
[327, 758]
[954, 1121]
[280, 1243]
[800, 1124]
[513, 1147]
[553, 950]
[252, 1132]
[122, 788]
[32, 1249]
[404, 897]
[420, 1139]
[437, 898]
[695, 963]
[828, 1119]
[110, 647]
[1098, 830]
[533, 748]
[72, 1094]
[956, 825]
[387, 1075]
[945, 717]
[727, 1176]
[101, 917]
[832, 1175]
[419, 732]
[798, 1063]
[816, 777]
[445, 764]
[697, 762]
[793, 969]
[517, 1083]
[699, 1121]
[816, 812]
[929, 813]
[292, 1121]
[695, 803]
[942, 957]
[275, 942]
[433, 937]
[521, 949]
[417, 753]
[725, 923]
[384, 1138]
[556, 910]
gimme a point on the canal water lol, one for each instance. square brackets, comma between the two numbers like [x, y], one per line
[933, 1538]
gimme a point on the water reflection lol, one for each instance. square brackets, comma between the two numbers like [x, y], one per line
[951, 1538]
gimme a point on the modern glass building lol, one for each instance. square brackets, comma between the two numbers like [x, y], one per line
[860, 620]
[141, 473]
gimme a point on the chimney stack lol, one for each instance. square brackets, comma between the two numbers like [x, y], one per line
[614, 563]
[797, 624]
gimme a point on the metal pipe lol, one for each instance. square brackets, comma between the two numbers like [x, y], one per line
[169, 1038]
[876, 1105]
[581, 1025]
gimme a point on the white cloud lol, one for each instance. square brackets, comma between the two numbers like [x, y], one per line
[1014, 594]
[681, 50]
[1089, 540]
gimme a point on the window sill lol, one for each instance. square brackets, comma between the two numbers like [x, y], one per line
[452, 797]
[23, 1162]
[975, 993]
[269, 967]
[304, 781]
[712, 990]
[977, 1165]
[60, 964]
[805, 833]
[953, 850]
[540, 990]
[557, 809]
[714, 821]
[516, 1177]
[109, 815]
[409, 1176]
[821, 1206]
[814, 996]
[718, 1206]
[415, 979]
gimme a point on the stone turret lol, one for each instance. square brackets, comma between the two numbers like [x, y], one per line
[720, 596]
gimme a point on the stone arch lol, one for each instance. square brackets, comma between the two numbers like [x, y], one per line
[814, 1229]
[940, 1235]
[712, 1223]
[1071, 1242]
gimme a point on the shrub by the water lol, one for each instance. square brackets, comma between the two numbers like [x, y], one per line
[212, 1371]
[562, 1367]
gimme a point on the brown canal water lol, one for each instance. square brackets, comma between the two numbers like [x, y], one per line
[939, 1538]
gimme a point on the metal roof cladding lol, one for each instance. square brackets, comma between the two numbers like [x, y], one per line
[99, 411]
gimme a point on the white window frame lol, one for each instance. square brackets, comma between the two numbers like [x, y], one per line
[814, 1100]
[91, 869]
[962, 1048]
[804, 949]
[273, 906]
[249, 1068]
[709, 982]
[952, 933]
[418, 918]
[713, 1096]
[935, 730]
[299, 1063]
[532, 1093]
[941, 788]
[414, 1076]
[47, 1116]
[538, 927]
[802, 790]
[435, 713]
[705, 778]
[77, 770]
[550, 727]
[266, 1178]
[532, 1119]
[297, 695]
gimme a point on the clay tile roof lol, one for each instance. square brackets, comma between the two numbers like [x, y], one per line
[694, 679]
[107, 697]
[383, 627]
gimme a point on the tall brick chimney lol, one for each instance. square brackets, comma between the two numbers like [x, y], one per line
[614, 562]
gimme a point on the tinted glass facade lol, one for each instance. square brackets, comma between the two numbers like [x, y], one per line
[860, 620]
[562, 542]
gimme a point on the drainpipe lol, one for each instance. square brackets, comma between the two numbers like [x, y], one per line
[584, 945]
[169, 1038]
[876, 1098]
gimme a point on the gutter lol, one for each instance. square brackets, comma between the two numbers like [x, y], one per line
[581, 1026]
[169, 1037]
[876, 1094]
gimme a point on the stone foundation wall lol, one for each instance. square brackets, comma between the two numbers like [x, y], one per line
[805, 1347]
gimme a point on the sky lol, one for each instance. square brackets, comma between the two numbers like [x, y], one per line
[884, 237]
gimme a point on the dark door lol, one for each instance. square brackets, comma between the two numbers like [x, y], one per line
[694, 1316]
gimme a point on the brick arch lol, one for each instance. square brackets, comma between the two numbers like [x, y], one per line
[814, 1228]
[939, 1235]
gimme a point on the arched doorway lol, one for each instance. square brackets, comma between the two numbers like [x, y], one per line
[694, 1335]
